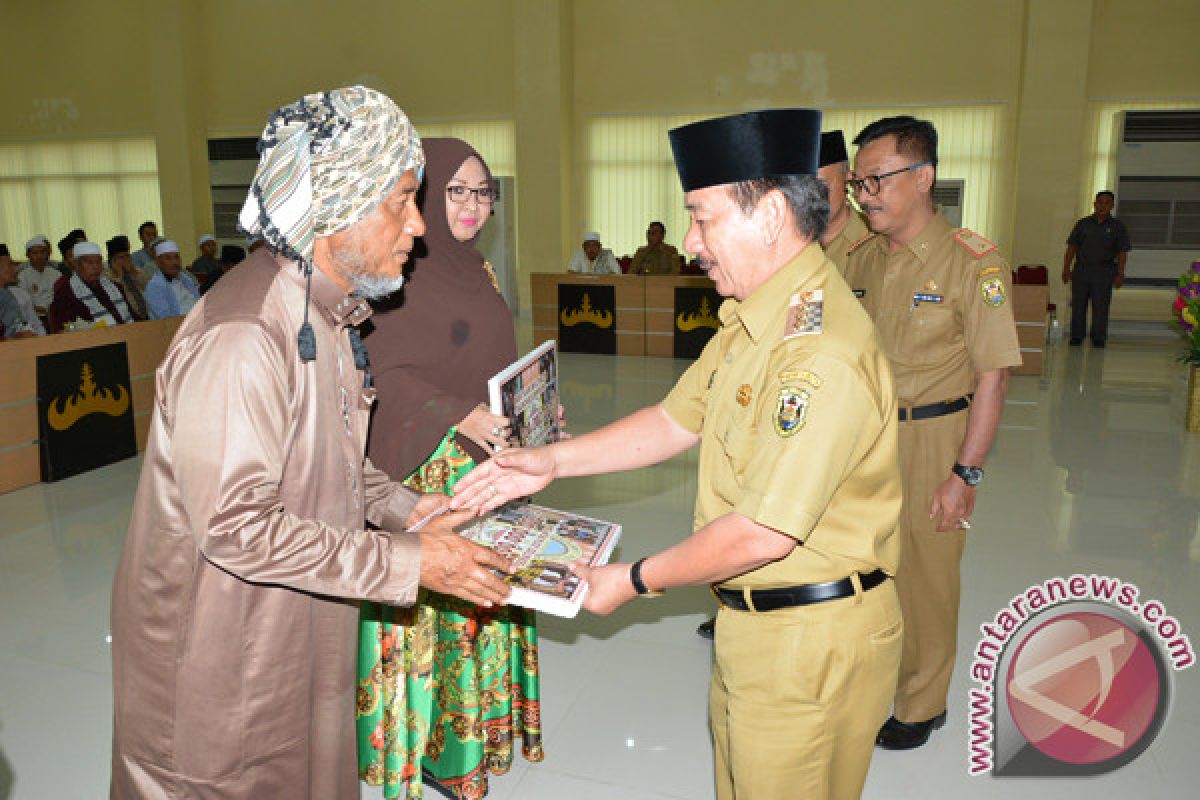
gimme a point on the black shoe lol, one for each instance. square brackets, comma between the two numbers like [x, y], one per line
[1098, 343]
[897, 735]
[707, 628]
[1075, 342]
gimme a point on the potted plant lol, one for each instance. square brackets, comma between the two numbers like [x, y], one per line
[1187, 320]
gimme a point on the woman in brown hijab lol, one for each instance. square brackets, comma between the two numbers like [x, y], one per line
[444, 685]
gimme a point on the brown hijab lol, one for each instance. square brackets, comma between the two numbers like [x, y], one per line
[437, 341]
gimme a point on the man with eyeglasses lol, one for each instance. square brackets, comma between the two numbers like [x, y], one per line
[939, 296]
[846, 226]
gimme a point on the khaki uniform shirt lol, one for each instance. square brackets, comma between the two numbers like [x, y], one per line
[942, 306]
[794, 402]
[235, 604]
[663, 261]
[838, 249]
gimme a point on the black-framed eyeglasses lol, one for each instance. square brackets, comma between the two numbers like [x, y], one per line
[870, 183]
[485, 195]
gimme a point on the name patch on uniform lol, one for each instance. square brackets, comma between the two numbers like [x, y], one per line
[791, 410]
[927, 297]
[804, 314]
[808, 376]
[991, 286]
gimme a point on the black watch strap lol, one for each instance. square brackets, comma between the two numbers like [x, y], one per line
[635, 577]
[971, 476]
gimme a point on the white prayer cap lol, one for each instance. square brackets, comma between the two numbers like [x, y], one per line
[591, 236]
[166, 246]
[208, 237]
[37, 241]
[86, 249]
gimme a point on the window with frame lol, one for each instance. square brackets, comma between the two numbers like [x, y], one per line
[629, 179]
[107, 186]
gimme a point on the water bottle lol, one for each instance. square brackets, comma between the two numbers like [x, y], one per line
[1053, 329]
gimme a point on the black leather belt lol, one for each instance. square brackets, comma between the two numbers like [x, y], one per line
[935, 409]
[772, 599]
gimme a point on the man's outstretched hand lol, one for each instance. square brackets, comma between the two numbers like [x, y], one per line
[507, 475]
[453, 565]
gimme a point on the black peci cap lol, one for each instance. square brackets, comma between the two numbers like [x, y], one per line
[117, 244]
[232, 254]
[833, 148]
[743, 147]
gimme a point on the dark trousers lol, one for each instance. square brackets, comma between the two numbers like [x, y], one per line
[1091, 285]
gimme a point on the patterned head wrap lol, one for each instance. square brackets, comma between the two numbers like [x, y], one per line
[325, 162]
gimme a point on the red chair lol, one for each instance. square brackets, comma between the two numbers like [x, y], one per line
[1032, 275]
[625, 262]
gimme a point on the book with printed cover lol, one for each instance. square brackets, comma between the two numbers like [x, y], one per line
[526, 392]
[542, 543]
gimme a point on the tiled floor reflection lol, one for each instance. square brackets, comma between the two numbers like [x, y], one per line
[1092, 473]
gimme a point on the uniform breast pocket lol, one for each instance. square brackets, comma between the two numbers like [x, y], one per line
[736, 438]
[930, 330]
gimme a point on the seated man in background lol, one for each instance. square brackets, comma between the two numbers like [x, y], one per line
[656, 257]
[122, 272]
[8, 281]
[143, 259]
[66, 246]
[205, 266]
[87, 295]
[38, 276]
[171, 292]
[12, 322]
[593, 259]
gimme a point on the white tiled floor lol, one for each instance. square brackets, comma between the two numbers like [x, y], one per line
[1092, 473]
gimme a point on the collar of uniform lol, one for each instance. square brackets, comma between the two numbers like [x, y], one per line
[339, 307]
[923, 244]
[761, 309]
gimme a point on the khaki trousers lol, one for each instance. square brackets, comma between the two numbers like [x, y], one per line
[798, 695]
[927, 580]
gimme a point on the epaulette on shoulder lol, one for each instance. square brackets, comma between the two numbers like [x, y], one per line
[856, 245]
[971, 240]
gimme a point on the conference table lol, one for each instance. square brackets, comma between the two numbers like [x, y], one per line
[629, 315]
[77, 400]
[676, 315]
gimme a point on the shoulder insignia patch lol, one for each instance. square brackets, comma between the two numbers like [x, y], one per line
[855, 246]
[971, 240]
[991, 286]
[805, 312]
[791, 410]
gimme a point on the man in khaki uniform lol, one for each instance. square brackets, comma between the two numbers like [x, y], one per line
[939, 296]
[655, 257]
[846, 226]
[793, 405]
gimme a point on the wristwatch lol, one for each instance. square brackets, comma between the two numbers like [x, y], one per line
[971, 476]
[635, 577]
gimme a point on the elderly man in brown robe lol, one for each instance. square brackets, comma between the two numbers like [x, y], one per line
[235, 605]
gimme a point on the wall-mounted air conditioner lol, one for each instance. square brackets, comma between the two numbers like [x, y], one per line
[1158, 193]
[231, 165]
[948, 197]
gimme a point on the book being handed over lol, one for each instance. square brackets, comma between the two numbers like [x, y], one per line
[542, 544]
[526, 392]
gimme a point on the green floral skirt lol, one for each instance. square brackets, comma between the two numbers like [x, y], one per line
[445, 685]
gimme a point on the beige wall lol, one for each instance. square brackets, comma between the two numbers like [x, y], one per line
[184, 70]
